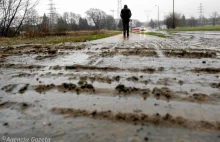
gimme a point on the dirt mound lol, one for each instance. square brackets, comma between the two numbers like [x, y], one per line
[145, 93]
[4, 105]
[44, 88]
[20, 66]
[207, 70]
[215, 85]
[113, 69]
[127, 90]
[190, 54]
[66, 87]
[117, 78]
[133, 78]
[108, 54]
[57, 67]
[9, 88]
[130, 52]
[200, 97]
[22, 75]
[139, 118]
[163, 93]
[139, 52]
[42, 57]
[23, 89]
[86, 86]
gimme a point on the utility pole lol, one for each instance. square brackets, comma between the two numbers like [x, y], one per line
[174, 26]
[119, 8]
[113, 13]
[201, 9]
[52, 14]
[158, 16]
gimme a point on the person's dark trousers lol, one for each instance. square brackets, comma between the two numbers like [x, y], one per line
[126, 28]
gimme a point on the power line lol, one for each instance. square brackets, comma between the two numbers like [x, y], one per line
[201, 10]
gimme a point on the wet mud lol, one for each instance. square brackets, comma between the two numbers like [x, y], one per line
[11, 105]
[190, 54]
[21, 66]
[82, 86]
[143, 119]
[207, 70]
[163, 92]
[37, 49]
[105, 69]
[144, 81]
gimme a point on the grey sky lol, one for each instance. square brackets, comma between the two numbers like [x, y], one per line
[138, 7]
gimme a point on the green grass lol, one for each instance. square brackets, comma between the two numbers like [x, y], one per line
[155, 34]
[70, 37]
[201, 28]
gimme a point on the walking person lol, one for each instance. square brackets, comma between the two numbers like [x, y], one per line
[125, 16]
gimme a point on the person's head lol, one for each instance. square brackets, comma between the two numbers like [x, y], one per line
[125, 6]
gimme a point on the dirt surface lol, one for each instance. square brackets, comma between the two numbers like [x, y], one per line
[139, 89]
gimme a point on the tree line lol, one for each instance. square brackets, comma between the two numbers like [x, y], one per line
[182, 21]
[20, 17]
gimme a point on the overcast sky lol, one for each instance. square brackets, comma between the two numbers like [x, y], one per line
[138, 7]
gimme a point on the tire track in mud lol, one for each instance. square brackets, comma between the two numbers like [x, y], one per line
[99, 60]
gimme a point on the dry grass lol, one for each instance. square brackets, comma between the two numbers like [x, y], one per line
[75, 36]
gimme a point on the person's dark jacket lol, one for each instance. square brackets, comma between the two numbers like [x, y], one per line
[126, 14]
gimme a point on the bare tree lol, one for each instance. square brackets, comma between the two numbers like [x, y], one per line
[97, 16]
[31, 25]
[71, 17]
[32, 18]
[66, 17]
[110, 23]
[45, 25]
[13, 14]
[214, 18]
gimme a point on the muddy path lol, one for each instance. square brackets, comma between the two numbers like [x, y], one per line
[139, 89]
